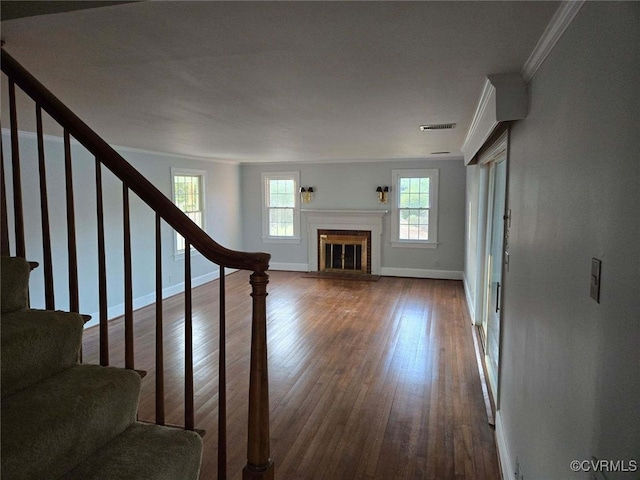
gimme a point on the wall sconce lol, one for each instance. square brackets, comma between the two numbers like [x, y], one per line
[306, 194]
[383, 193]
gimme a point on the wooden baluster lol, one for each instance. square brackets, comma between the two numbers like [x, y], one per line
[222, 385]
[74, 301]
[159, 334]
[49, 299]
[15, 165]
[189, 422]
[102, 271]
[259, 465]
[128, 283]
[5, 249]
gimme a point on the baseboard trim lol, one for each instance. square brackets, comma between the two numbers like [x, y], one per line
[421, 273]
[384, 271]
[116, 311]
[289, 267]
[503, 449]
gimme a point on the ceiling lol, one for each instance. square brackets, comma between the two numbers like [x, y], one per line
[277, 81]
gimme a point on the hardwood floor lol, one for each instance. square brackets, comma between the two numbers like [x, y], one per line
[368, 380]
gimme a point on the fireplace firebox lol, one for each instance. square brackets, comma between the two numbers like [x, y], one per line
[347, 251]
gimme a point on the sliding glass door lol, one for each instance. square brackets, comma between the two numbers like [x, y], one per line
[493, 267]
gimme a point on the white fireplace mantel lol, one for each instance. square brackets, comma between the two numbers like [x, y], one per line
[370, 220]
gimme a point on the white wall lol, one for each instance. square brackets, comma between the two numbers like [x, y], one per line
[222, 223]
[570, 367]
[351, 186]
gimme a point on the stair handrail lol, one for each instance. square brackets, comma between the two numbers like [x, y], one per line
[259, 465]
[201, 241]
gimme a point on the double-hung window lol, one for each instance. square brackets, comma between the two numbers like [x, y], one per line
[415, 208]
[187, 188]
[281, 209]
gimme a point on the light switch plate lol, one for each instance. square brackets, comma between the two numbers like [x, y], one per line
[596, 267]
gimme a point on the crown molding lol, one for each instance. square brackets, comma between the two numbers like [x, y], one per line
[503, 99]
[488, 90]
[559, 22]
[121, 148]
[326, 161]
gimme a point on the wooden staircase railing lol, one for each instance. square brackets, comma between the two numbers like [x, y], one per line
[259, 465]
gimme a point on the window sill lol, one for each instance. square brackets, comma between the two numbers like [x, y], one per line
[411, 244]
[291, 240]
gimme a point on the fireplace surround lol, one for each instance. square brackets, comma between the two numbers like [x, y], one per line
[346, 221]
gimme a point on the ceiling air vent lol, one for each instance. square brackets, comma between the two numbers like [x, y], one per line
[437, 126]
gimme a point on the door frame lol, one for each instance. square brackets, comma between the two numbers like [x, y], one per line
[496, 151]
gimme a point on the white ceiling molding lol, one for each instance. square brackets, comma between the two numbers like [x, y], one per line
[503, 99]
[557, 26]
[121, 149]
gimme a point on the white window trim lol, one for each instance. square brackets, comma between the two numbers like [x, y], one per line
[433, 174]
[179, 254]
[266, 177]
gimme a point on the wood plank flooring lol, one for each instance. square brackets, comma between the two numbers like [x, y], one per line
[368, 380]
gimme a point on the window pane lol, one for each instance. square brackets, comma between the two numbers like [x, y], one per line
[414, 203]
[196, 217]
[414, 224]
[280, 204]
[188, 197]
[281, 193]
[414, 192]
[281, 222]
[423, 225]
[423, 201]
[273, 198]
[412, 213]
[187, 194]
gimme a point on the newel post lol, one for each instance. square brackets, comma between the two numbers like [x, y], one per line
[259, 466]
